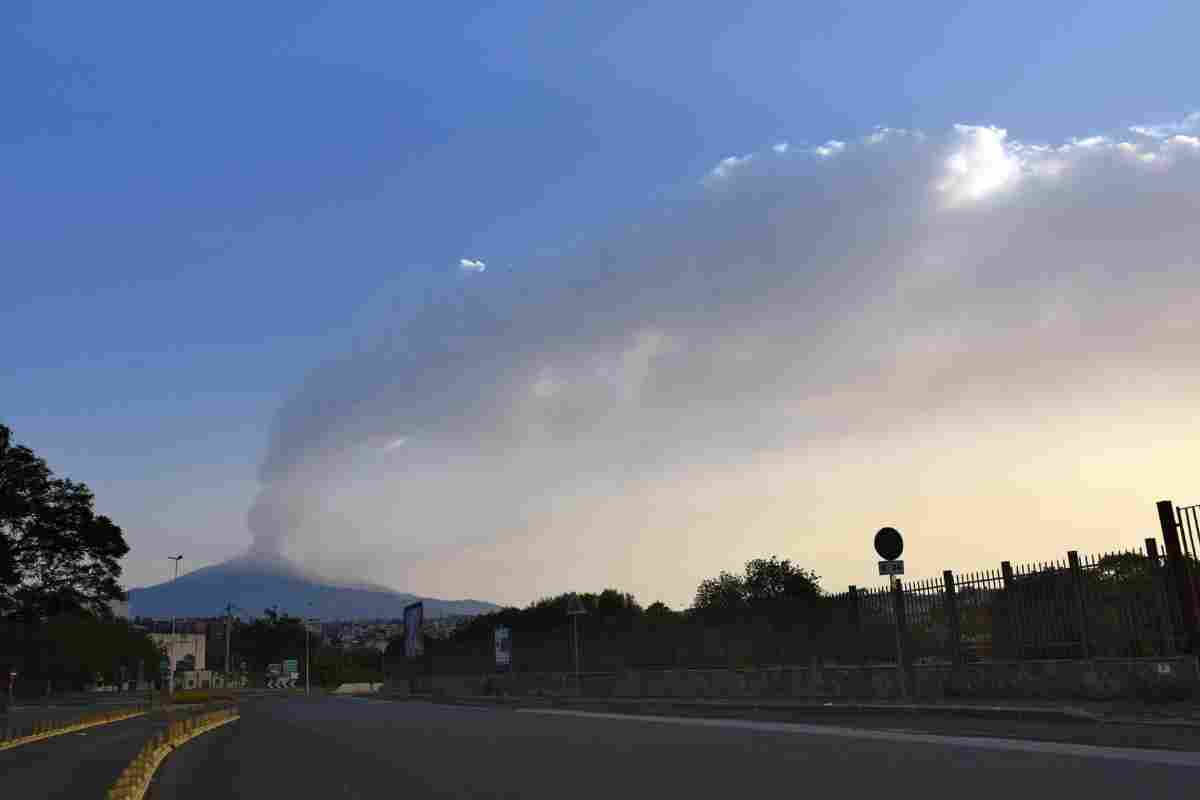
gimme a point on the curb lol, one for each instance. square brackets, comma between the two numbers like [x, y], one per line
[134, 781]
[652, 705]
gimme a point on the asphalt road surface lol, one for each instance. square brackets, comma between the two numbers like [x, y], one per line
[22, 716]
[83, 764]
[331, 747]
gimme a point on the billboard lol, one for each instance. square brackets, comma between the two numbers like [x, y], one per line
[414, 617]
[503, 648]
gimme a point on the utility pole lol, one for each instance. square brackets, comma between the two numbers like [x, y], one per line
[307, 663]
[170, 663]
[228, 620]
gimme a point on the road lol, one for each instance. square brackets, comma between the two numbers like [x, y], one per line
[83, 764]
[63, 710]
[331, 747]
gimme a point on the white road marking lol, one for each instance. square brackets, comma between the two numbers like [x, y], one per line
[1167, 757]
[469, 707]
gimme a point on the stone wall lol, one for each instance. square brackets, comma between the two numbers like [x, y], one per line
[1093, 679]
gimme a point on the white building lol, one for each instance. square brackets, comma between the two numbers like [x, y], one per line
[183, 650]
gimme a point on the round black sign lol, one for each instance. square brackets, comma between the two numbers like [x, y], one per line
[889, 544]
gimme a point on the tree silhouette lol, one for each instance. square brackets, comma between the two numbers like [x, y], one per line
[56, 554]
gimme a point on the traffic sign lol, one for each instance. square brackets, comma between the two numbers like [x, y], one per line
[291, 666]
[891, 567]
[889, 544]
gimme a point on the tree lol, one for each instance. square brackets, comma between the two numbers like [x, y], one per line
[659, 610]
[56, 554]
[273, 637]
[724, 593]
[770, 581]
[768, 585]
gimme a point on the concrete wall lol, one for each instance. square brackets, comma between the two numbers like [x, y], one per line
[1093, 679]
[357, 688]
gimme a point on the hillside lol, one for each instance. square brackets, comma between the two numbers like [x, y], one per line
[253, 585]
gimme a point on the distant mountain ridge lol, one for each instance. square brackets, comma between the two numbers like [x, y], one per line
[255, 584]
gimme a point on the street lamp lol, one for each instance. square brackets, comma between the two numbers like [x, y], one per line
[229, 607]
[170, 661]
[307, 665]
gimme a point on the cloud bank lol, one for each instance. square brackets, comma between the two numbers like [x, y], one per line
[611, 407]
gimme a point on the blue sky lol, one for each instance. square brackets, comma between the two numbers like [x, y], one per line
[203, 205]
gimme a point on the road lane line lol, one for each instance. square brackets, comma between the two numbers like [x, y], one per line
[1165, 757]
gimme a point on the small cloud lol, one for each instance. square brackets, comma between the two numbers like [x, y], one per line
[1189, 123]
[830, 148]
[1185, 141]
[726, 165]
[780, 148]
[471, 265]
[395, 444]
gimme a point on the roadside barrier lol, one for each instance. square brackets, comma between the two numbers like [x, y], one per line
[44, 729]
[134, 780]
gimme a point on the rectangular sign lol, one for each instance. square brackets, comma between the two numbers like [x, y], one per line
[503, 647]
[414, 618]
[291, 666]
[891, 567]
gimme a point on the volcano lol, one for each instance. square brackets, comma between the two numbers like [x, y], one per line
[253, 585]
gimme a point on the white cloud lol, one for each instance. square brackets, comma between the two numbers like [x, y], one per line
[883, 133]
[980, 164]
[936, 288]
[830, 148]
[726, 166]
[471, 265]
[781, 147]
[1191, 122]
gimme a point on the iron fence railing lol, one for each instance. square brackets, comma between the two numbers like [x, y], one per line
[1116, 604]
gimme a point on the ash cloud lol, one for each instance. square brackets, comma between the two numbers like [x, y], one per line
[799, 298]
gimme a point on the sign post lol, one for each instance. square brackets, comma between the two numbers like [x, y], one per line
[503, 637]
[575, 610]
[889, 544]
[291, 671]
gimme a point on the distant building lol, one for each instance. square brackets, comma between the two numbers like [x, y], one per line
[184, 651]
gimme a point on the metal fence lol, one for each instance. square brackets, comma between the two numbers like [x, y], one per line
[1118, 604]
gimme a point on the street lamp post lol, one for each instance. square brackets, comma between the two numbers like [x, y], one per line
[307, 663]
[171, 646]
[229, 607]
